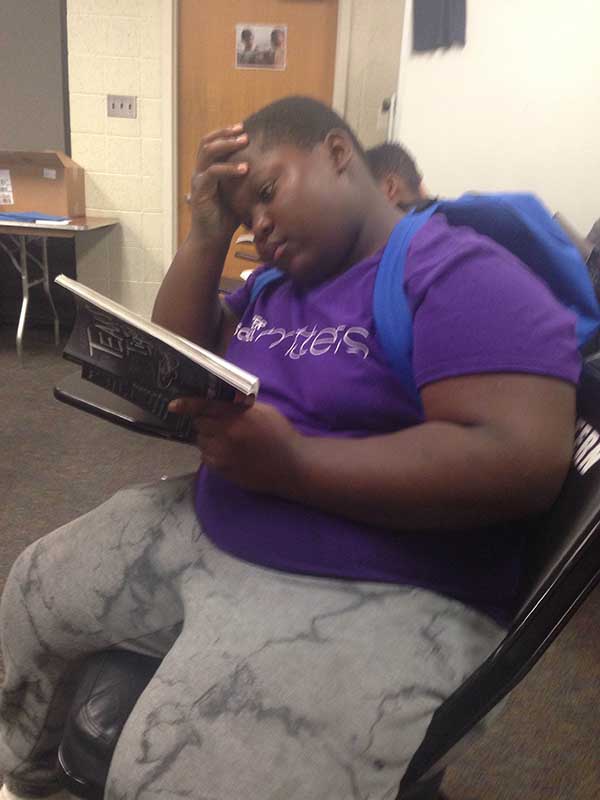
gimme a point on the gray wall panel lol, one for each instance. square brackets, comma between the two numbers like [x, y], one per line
[32, 62]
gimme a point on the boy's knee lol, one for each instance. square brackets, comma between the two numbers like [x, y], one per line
[21, 571]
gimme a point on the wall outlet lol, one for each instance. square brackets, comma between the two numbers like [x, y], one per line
[121, 105]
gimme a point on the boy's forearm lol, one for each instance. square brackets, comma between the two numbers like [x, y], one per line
[187, 302]
[413, 479]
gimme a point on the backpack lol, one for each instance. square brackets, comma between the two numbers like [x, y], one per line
[520, 223]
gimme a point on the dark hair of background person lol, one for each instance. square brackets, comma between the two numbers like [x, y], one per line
[393, 158]
[297, 120]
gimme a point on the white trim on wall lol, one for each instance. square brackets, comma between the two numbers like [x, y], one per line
[169, 128]
[405, 52]
[342, 56]
[169, 107]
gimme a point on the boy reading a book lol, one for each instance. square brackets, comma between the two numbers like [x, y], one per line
[346, 556]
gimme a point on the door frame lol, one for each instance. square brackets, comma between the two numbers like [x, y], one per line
[169, 19]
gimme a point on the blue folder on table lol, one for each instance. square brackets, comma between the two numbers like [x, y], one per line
[30, 216]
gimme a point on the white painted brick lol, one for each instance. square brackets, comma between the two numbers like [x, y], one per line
[101, 212]
[123, 155]
[151, 157]
[126, 263]
[82, 7]
[132, 295]
[87, 34]
[92, 260]
[150, 43]
[130, 228]
[115, 192]
[120, 126]
[150, 112]
[151, 194]
[94, 196]
[86, 74]
[115, 47]
[149, 292]
[152, 231]
[98, 281]
[93, 247]
[152, 9]
[87, 113]
[89, 151]
[153, 265]
[122, 76]
[117, 8]
[151, 77]
[123, 37]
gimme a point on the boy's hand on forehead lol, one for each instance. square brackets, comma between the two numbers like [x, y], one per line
[211, 216]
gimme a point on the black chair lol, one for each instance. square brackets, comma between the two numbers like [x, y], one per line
[562, 567]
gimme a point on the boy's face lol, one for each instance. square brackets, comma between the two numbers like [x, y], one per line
[297, 205]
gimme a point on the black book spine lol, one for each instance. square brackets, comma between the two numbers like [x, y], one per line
[150, 400]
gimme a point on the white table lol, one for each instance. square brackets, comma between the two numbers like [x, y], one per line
[17, 239]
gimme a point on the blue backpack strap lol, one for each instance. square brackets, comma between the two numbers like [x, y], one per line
[264, 279]
[391, 313]
[520, 223]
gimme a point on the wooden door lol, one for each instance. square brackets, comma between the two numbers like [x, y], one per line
[213, 93]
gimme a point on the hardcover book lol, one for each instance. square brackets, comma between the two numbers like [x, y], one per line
[146, 364]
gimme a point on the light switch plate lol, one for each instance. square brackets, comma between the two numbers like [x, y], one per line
[121, 105]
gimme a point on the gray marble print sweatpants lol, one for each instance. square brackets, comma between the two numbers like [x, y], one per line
[272, 687]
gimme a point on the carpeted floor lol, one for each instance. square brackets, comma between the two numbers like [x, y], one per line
[58, 462]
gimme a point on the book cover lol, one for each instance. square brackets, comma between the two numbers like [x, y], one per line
[145, 363]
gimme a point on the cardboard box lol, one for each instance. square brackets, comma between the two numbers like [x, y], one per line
[47, 181]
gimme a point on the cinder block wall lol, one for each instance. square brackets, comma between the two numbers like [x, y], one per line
[115, 48]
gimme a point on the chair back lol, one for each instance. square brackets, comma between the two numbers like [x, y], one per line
[561, 566]
[560, 538]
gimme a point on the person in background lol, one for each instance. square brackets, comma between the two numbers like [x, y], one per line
[276, 54]
[247, 52]
[397, 175]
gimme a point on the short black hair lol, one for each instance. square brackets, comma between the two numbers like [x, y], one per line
[300, 121]
[274, 34]
[246, 35]
[393, 158]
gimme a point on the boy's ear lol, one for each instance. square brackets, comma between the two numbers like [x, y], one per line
[391, 187]
[340, 148]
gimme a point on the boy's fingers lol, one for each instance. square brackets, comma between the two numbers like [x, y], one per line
[211, 176]
[221, 133]
[219, 148]
[201, 407]
[219, 171]
[188, 405]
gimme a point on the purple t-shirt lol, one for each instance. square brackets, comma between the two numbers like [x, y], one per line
[476, 309]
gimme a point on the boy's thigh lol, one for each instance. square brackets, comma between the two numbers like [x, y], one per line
[112, 573]
[303, 689]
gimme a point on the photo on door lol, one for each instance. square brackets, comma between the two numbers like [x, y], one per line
[260, 46]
